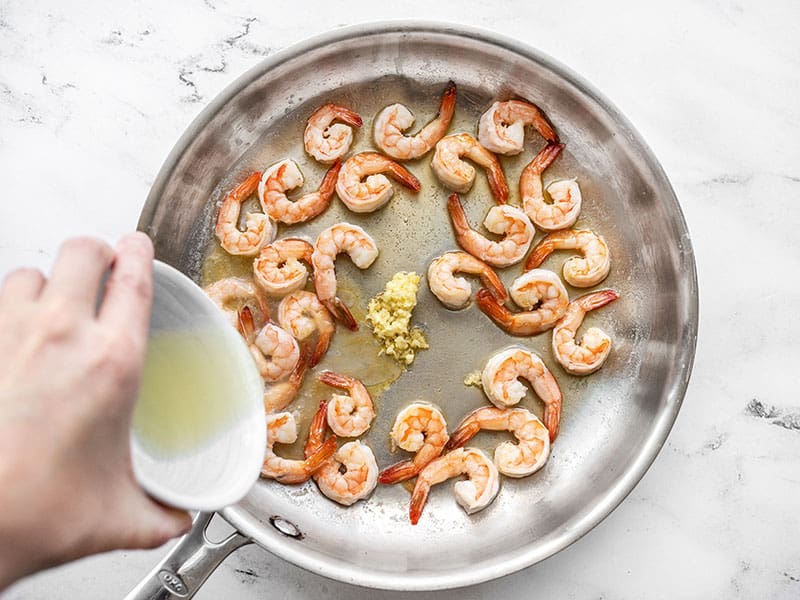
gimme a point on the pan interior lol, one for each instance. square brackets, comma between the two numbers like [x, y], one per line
[612, 422]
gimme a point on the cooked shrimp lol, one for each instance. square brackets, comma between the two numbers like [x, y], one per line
[301, 314]
[232, 293]
[502, 128]
[258, 228]
[542, 296]
[351, 415]
[393, 120]
[351, 474]
[342, 237]
[473, 494]
[500, 383]
[419, 428]
[583, 272]
[279, 395]
[504, 220]
[540, 288]
[588, 355]
[274, 350]
[278, 268]
[565, 194]
[454, 292]
[325, 140]
[285, 176]
[370, 194]
[525, 457]
[282, 429]
[458, 175]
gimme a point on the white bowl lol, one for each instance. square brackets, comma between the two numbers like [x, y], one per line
[217, 468]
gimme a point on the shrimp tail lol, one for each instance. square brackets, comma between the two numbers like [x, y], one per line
[332, 379]
[404, 176]
[541, 124]
[317, 430]
[465, 432]
[597, 299]
[493, 309]
[303, 364]
[494, 284]
[457, 216]
[317, 459]
[552, 418]
[497, 182]
[328, 185]
[448, 104]
[399, 472]
[544, 159]
[246, 188]
[542, 250]
[348, 116]
[418, 500]
[341, 313]
[323, 341]
[246, 325]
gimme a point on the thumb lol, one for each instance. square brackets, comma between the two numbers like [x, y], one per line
[153, 523]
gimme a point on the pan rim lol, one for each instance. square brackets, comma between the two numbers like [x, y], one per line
[338, 569]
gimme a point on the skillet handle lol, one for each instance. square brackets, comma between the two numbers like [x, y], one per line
[187, 566]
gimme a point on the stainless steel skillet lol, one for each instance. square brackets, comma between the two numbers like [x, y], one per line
[614, 423]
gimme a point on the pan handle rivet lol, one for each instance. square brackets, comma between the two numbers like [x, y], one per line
[286, 527]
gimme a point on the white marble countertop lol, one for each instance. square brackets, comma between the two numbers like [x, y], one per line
[93, 96]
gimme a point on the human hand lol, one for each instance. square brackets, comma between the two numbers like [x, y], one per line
[69, 379]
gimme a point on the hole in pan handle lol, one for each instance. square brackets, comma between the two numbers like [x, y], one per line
[286, 527]
[188, 564]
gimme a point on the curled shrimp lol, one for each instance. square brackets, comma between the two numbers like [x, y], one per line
[285, 176]
[588, 355]
[420, 428]
[473, 494]
[502, 128]
[325, 140]
[504, 220]
[279, 395]
[258, 228]
[351, 474]
[232, 293]
[278, 268]
[581, 272]
[282, 429]
[301, 314]
[458, 175]
[454, 292]
[393, 120]
[366, 195]
[525, 457]
[500, 383]
[565, 194]
[341, 237]
[542, 296]
[351, 415]
[273, 349]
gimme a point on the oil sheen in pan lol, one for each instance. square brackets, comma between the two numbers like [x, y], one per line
[411, 230]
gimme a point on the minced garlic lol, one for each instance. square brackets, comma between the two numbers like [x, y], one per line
[389, 314]
[473, 378]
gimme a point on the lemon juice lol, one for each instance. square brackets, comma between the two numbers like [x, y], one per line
[194, 388]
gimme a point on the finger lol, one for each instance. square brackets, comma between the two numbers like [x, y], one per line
[160, 524]
[80, 264]
[21, 285]
[149, 524]
[129, 291]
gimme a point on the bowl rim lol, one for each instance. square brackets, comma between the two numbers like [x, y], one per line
[248, 464]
